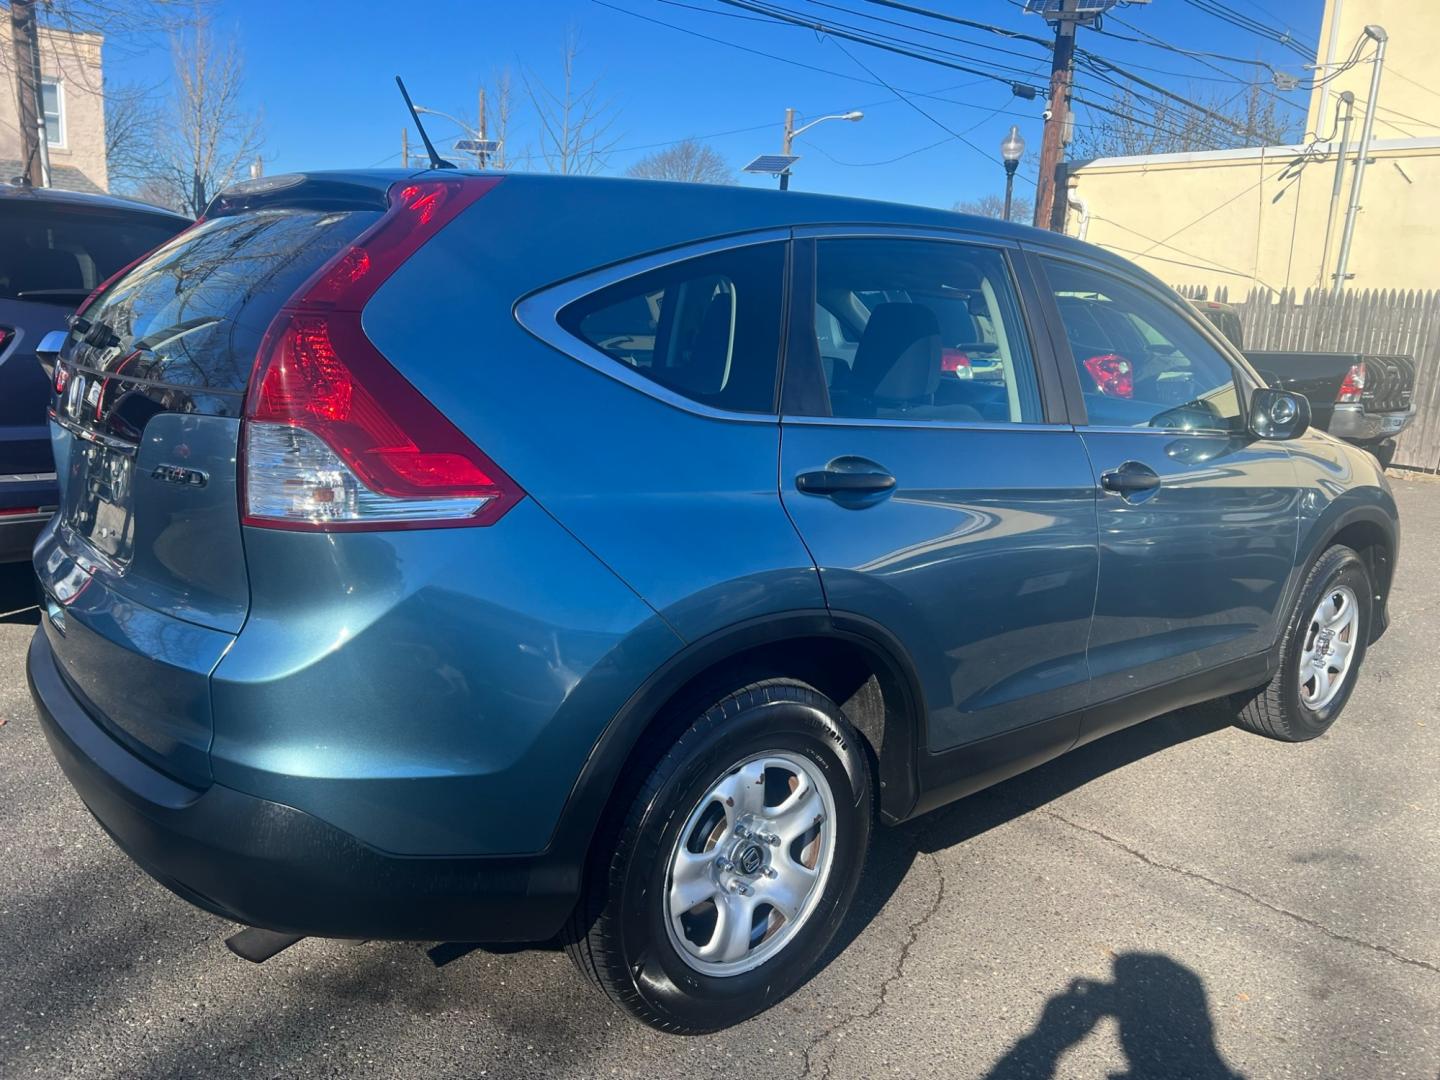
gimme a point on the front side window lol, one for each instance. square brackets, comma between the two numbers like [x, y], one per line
[1141, 363]
[910, 329]
[53, 99]
[707, 328]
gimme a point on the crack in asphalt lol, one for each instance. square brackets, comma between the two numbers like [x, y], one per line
[912, 934]
[1304, 920]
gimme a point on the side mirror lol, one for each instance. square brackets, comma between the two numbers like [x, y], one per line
[48, 351]
[1278, 414]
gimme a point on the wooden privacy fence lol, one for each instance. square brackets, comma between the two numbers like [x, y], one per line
[1373, 320]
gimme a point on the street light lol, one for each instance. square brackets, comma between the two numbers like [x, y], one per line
[1012, 149]
[480, 146]
[792, 133]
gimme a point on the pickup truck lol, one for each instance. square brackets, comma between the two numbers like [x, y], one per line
[1364, 398]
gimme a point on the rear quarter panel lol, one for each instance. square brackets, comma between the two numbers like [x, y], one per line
[685, 508]
[430, 691]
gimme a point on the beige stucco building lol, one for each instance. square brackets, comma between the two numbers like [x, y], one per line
[1259, 216]
[71, 71]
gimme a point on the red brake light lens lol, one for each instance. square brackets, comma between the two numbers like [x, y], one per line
[5, 335]
[1352, 388]
[336, 437]
[954, 362]
[1113, 375]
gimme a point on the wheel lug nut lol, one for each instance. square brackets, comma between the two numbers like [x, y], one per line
[770, 872]
[724, 865]
[742, 832]
[771, 839]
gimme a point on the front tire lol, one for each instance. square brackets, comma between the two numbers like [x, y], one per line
[1320, 654]
[723, 878]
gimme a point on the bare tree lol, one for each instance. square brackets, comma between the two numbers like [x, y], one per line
[993, 206]
[132, 135]
[574, 120]
[210, 135]
[689, 160]
[1135, 127]
[499, 105]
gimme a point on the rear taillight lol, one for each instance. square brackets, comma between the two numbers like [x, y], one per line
[6, 334]
[954, 362]
[1113, 375]
[335, 438]
[1352, 388]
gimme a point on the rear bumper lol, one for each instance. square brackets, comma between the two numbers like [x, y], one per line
[269, 865]
[1352, 422]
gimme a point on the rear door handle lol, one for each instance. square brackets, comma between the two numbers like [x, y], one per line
[846, 476]
[1131, 478]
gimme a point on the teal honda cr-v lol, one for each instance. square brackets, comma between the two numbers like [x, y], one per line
[484, 557]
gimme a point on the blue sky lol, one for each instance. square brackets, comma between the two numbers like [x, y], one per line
[322, 74]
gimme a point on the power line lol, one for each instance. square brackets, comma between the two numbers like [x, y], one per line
[1283, 38]
[934, 33]
[861, 39]
[935, 96]
[938, 123]
[1412, 82]
[1089, 55]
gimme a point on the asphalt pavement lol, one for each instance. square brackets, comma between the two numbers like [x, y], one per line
[1182, 899]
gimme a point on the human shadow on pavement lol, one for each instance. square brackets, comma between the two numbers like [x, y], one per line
[1162, 1012]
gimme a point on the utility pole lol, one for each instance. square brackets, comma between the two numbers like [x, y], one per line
[1376, 33]
[481, 158]
[1049, 198]
[785, 146]
[405, 148]
[25, 40]
[1347, 102]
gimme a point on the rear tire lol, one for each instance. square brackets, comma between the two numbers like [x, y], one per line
[765, 796]
[1320, 654]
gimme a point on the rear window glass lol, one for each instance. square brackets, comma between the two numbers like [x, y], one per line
[193, 313]
[707, 328]
[56, 254]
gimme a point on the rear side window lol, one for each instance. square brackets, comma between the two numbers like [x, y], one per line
[707, 328]
[56, 254]
[193, 313]
[913, 329]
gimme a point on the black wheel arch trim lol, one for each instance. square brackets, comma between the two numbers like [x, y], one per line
[903, 735]
[1322, 533]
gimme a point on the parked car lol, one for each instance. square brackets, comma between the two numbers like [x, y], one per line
[55, 248]
[1364, 398]
[432, 565]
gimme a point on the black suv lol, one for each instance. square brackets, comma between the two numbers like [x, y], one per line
[55, 248]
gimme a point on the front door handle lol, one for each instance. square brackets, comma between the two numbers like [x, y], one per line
[855, 476]
[1131, 479]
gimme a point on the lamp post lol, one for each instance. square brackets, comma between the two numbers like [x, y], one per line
[1012, 149]
[475, 137]
[792, 133]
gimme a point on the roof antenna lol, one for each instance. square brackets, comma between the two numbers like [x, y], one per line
[436, 161]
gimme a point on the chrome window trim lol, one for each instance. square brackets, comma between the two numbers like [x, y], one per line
[539, 314]
[108, 441]
[904, 232]
[1172, 433]
[919, 425]
[26, 477]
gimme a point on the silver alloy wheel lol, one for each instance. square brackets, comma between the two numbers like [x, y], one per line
[1330, 640]
[750, 864]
